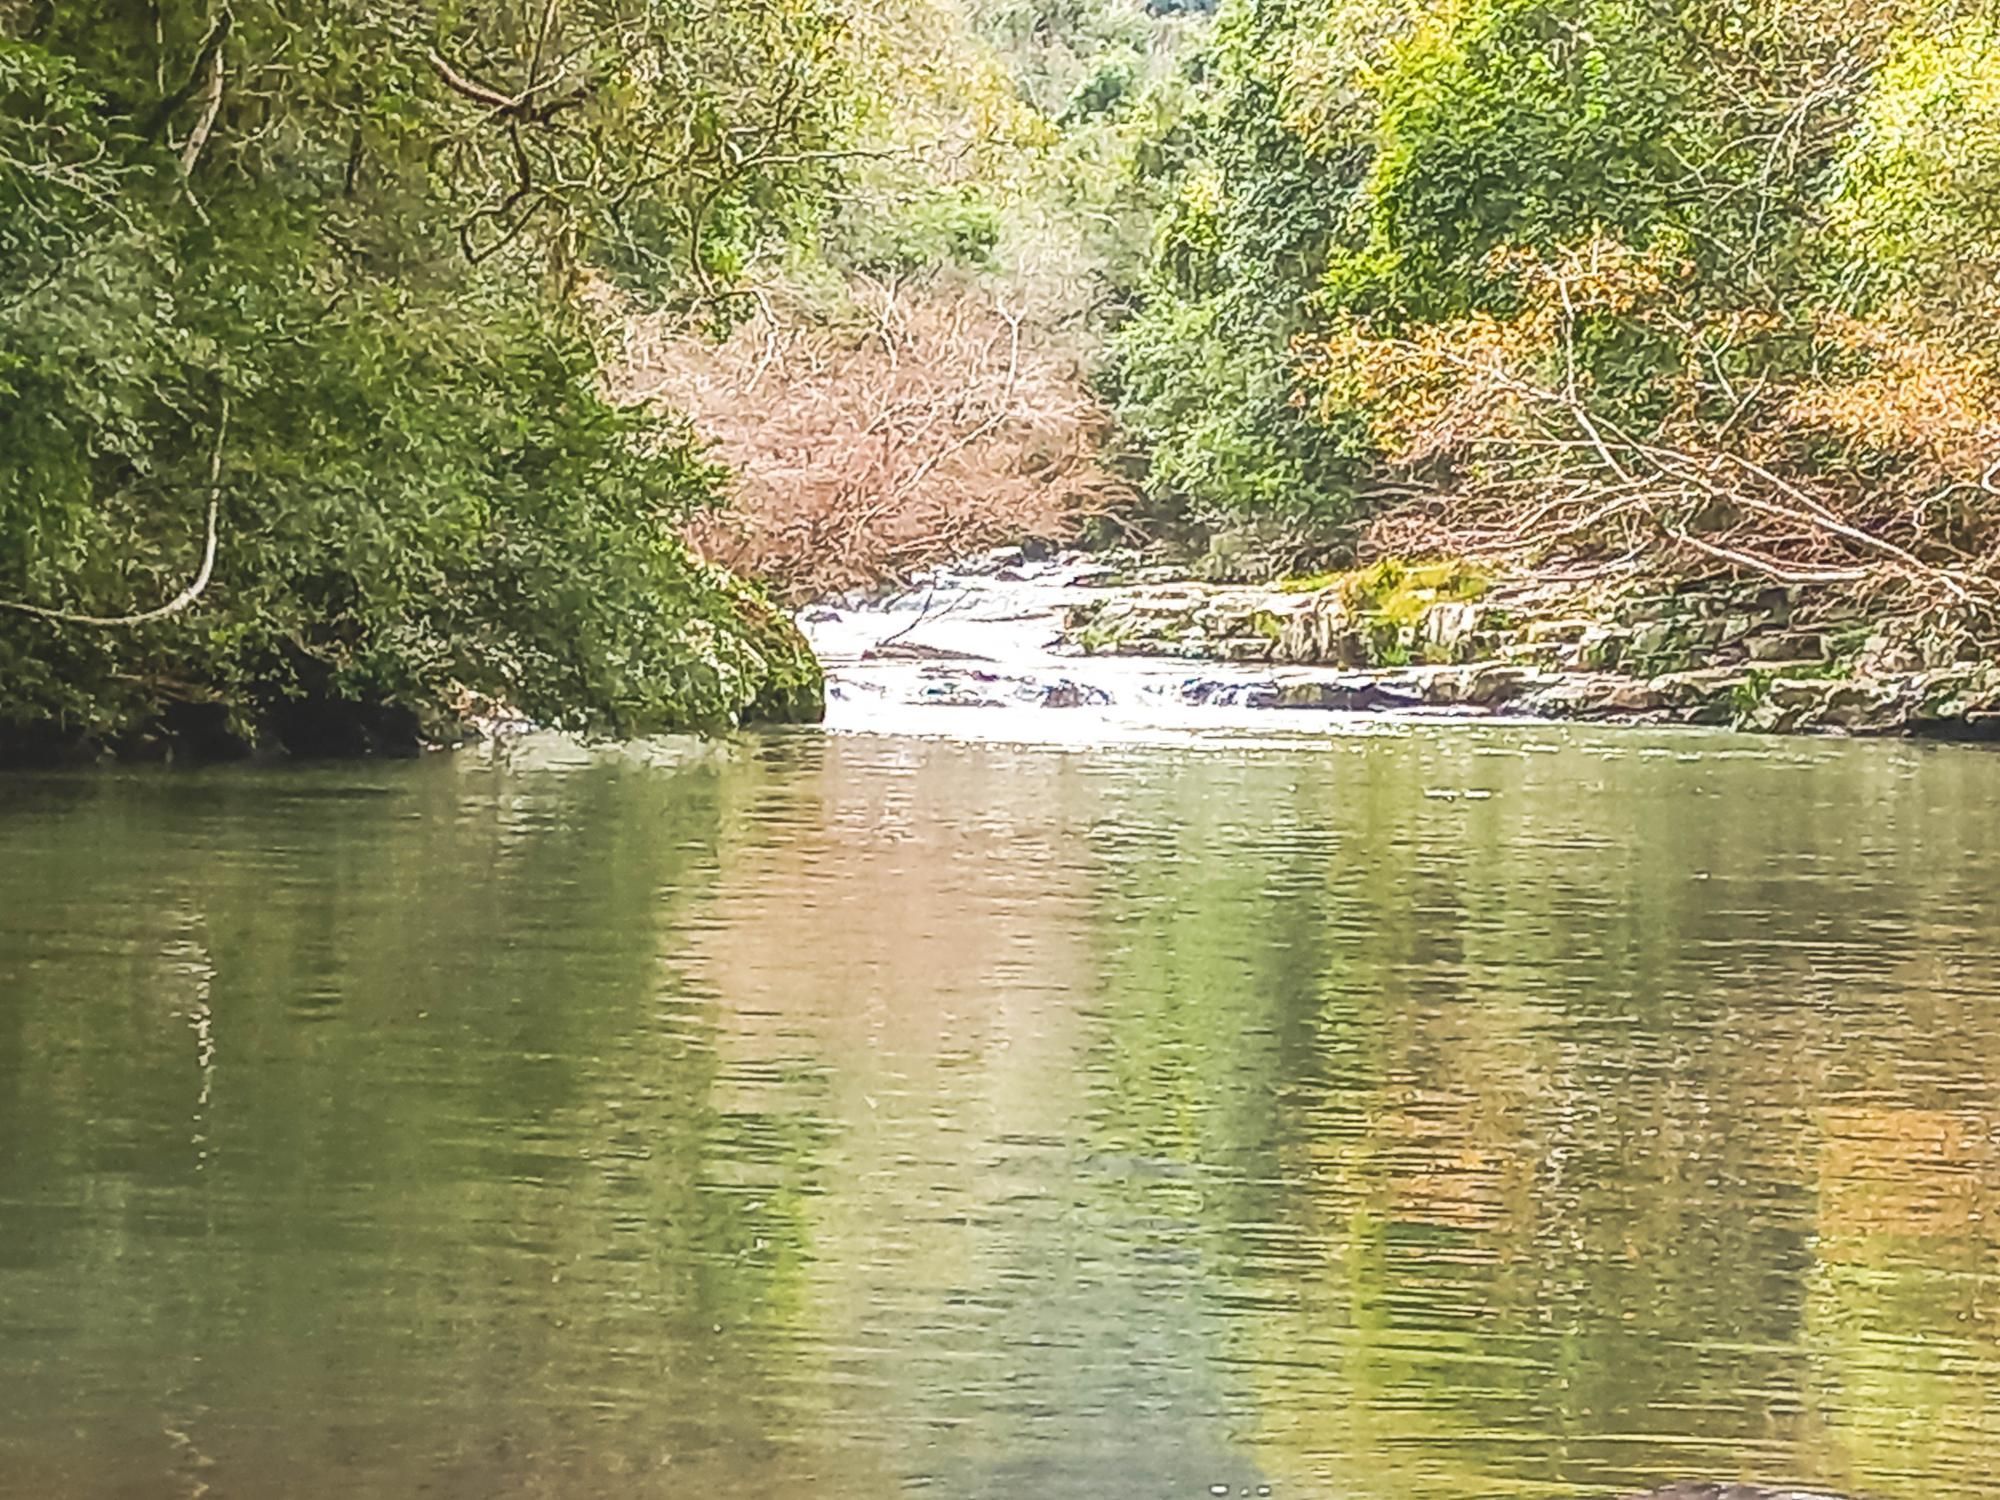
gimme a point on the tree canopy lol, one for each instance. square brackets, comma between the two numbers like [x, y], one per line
[329, 270]
[316, 322]
[1721, 272]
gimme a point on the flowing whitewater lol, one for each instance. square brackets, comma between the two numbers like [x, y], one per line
[978, 652]
[1134, 653]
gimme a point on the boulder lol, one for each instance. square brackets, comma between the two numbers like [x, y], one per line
[1787, 645]
[1321, 630]
[1701, 696]
[1600, 648]
[1497, 683]
[1447, 630]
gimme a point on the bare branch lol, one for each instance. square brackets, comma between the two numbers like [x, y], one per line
[478, 93]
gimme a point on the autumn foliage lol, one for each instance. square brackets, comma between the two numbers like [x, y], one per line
[1606, 417]
[925, 425]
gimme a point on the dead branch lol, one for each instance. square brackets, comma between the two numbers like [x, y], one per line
[931, 424]
[1660, 482]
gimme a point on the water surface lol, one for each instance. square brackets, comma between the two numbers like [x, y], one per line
[1433, 1113]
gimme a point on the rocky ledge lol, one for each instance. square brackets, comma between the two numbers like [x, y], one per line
[1449, 635]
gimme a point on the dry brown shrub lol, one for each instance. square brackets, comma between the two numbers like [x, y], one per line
[935, 423]
[1938, 406]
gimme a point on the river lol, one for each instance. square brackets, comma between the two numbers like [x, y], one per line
[1084, 1106]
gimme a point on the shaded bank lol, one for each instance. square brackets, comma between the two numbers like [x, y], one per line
[733, 659]
[304, 429]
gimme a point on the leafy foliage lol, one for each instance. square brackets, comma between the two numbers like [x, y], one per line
[1452, 250]
[334, 262]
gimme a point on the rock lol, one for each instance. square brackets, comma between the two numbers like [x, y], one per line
[1633, 696]
[1555, 632]
[1600, 648]
[1656, 641]
[1343, 695]
[1499, 683]
[1531, 654]
[791, 687]
[1067, 694]
[1703, 652]
[917, 651]
[1776, 601]
[1573, 696]
[1781, 712]
[1887, 651]
[1321, 631]
[1785, 705]
[1448, 628]
[1702, 696]
[1246, 648]
[994, 562]
[1955, 702]
[1864, 707]
[1789, 645]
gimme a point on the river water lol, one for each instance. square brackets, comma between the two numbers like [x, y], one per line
[1395, 1111]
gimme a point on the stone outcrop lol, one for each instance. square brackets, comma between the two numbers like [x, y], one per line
[1447, 636]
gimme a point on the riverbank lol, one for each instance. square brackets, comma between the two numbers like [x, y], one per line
[1451, 635]
[730, 659]
[1138, 641]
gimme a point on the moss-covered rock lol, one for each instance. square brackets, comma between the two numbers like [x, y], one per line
[792, 686]
[1450, 635]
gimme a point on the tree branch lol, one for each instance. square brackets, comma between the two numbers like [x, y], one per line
[186, 596]
[510, 106]
[191, 153]
[211, 48]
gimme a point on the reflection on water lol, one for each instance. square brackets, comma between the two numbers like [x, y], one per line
[1480, 1112]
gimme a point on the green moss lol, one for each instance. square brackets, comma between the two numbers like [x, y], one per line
[1848, 640]
[1309, 583]
[1397, 588]
[792, 687]
[1100, 637]
[1748, 695]
[1401, 591]
[1388, 642]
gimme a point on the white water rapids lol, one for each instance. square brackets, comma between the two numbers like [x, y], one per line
[975, 652]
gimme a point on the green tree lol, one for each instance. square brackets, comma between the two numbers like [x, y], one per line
[313, 293]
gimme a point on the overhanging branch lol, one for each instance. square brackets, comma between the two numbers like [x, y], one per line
[186, 596]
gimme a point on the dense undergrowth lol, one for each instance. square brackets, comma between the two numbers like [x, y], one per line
[918, 379]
